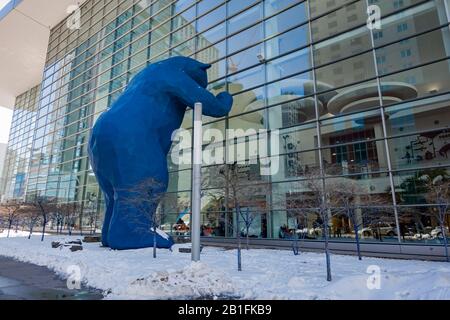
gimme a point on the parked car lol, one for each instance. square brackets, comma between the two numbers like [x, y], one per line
[437, 232]
[317, 232]
[165, 227]
[382, 229]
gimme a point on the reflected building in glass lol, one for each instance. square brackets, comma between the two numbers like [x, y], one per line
[370, 108]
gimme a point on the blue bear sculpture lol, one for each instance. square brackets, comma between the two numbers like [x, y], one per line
[130, 142]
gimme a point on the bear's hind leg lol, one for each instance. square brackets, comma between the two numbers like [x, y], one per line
[130, 226]
[108, 193]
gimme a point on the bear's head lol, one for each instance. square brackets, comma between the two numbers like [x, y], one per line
[193, 68]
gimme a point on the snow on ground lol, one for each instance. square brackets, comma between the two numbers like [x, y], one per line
[267, 274]
[14, 234]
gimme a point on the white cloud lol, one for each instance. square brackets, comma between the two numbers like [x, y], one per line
[5, 123]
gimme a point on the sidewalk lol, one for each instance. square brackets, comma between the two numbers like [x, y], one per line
[23, 281]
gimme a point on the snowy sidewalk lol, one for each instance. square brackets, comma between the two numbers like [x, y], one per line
[267, 274]
[24, 281]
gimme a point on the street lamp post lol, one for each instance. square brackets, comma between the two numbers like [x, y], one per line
[196, 182]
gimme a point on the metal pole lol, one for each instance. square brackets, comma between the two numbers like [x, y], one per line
[196, 182]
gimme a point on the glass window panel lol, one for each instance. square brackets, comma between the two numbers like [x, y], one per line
[297, 138]
[342, 46]
[287, 19]
[345, 18]
[211, 19]
[206, 5]
[345, 72]
[414, 51]
[418, 116]
[355, 158]
[245, 19]
[212, 36]
[248, 101]
[286, 42]
[235, 6]
[187, 15]
[357, 127]
[212, 53]
[293, 164]
[245, 38]
[410, 186]
[420, 82]
[246, 79]
[288, 92]
[412, 21]
[250, 120]
[319, 7]
[425, 149]
[179, 181]
[217, 70]
[273, 6]
[290, 64]
[365, 193]
[245, 59]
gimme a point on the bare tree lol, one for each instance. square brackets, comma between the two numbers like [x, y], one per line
[248, 216]
[31, 215]
[46, 206]
[145, 197]
[296, 209]
[439, 193]
[81, 217]
[319, 203]
[92, 212]
[69, 213]
[344, 198]
[245, 195]
[11, 210]
[57, 218]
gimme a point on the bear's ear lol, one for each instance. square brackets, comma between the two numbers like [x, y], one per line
[205, 66]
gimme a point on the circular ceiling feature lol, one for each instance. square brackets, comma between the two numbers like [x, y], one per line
[368, 103]
[304, 109]
[367, 96]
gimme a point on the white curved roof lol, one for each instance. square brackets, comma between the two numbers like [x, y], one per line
[24, 33]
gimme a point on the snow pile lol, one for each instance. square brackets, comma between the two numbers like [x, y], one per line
[197, 280]
[14, 234]
[266, 274]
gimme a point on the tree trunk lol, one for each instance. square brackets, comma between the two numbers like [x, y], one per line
[444, 236]
[43, 229]
[247, 244]
[61, 225]
[238, 234]
[154, 242]
[327, 251]
[355, 229]
[295, 246]
[81, 224]
[31, 232]
[9, 227]
[95, 223]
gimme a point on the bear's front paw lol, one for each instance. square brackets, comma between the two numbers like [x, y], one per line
[226, 100]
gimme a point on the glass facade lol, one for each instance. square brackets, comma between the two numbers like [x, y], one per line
[371, 107]
[18, 154]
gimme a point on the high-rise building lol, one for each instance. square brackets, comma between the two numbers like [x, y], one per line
[364, 106]
[18, 156]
